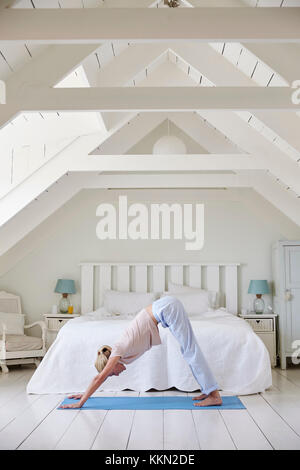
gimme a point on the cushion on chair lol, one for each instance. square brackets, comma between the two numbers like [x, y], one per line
[22, 343]
[14, 323]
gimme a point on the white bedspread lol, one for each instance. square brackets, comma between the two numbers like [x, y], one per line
[237, 356]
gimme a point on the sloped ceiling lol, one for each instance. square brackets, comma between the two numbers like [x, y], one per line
[40, 152]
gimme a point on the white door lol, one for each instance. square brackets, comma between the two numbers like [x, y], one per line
[292, 280]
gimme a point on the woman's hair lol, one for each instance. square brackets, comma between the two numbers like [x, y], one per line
[102, 357]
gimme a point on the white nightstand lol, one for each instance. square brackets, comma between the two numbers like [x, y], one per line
[54, 323]
[265, 326]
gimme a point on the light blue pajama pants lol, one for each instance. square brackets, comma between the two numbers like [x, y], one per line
[170, 312]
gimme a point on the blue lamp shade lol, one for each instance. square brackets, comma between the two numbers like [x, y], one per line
[65, 286]
[258, 287]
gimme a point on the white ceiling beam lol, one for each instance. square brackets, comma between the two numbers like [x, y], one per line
[46, 69]
[202, 133]
[249, 140]
[133, 131]
[214, 66]
[127, 64]
[76, 158]
[141, 125]
[285, 124]
[123, 69]
[118, 72]
[268, 213]
[281, 198]
[51, 66]
[128, 135]
[138, 24]
[124, 181]
[38, 210]
[221, 72]
[136, 163]
[29, 189]
[283, 58]
[149, 99]
[95, 137]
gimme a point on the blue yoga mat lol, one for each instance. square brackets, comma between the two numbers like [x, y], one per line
[153, 403]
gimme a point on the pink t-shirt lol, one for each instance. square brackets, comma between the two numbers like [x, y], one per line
[141, 335]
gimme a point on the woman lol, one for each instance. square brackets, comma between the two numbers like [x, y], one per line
[141, 335]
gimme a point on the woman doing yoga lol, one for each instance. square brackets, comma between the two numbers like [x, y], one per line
[140, 336]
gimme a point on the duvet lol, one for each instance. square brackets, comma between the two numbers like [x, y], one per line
[237, 356]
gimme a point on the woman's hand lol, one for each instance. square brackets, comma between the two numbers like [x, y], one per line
[77, 396]
[72, 405]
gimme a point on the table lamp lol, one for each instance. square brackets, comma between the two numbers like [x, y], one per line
[65, 287]
[259, 288]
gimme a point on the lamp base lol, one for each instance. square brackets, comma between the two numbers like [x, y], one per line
[64, 304]
[259, 306]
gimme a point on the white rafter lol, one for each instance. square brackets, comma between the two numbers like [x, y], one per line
[131, 60]
[120, 141]
[216, 68]
[75, 159]
[153, 99]
[46, 69]
[97, 25]
[251, 141]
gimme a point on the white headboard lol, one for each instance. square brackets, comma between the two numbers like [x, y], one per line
[154, 277]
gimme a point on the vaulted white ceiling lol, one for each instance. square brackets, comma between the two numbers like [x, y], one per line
[48, 156]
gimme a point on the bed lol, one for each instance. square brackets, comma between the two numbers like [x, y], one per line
[237, 356]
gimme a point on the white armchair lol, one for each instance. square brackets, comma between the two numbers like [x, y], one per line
[15, 346]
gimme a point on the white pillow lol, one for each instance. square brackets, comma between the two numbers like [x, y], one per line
[14, 323]
[126, 303]
[194, 303]
[102, 314]
[213, 296]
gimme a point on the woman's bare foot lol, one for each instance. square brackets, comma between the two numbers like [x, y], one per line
[213, 399]
[200, 397]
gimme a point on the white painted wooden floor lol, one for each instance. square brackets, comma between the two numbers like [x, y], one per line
[271, 421]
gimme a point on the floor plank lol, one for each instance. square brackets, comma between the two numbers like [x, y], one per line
[81, 433]
[13, 385]
[179, 427]
[212, 431]
[179, 430]
[147, 428]
[15, 406]
[284, 384]
[278, 433]
[291, 374]
[12, 436]
[286, 406]
[115, 430]
[244, 432]
[50, 431]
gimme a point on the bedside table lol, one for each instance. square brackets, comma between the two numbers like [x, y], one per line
[54, 323]
[265, 326]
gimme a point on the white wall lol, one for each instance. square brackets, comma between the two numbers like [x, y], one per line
[240, 226]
